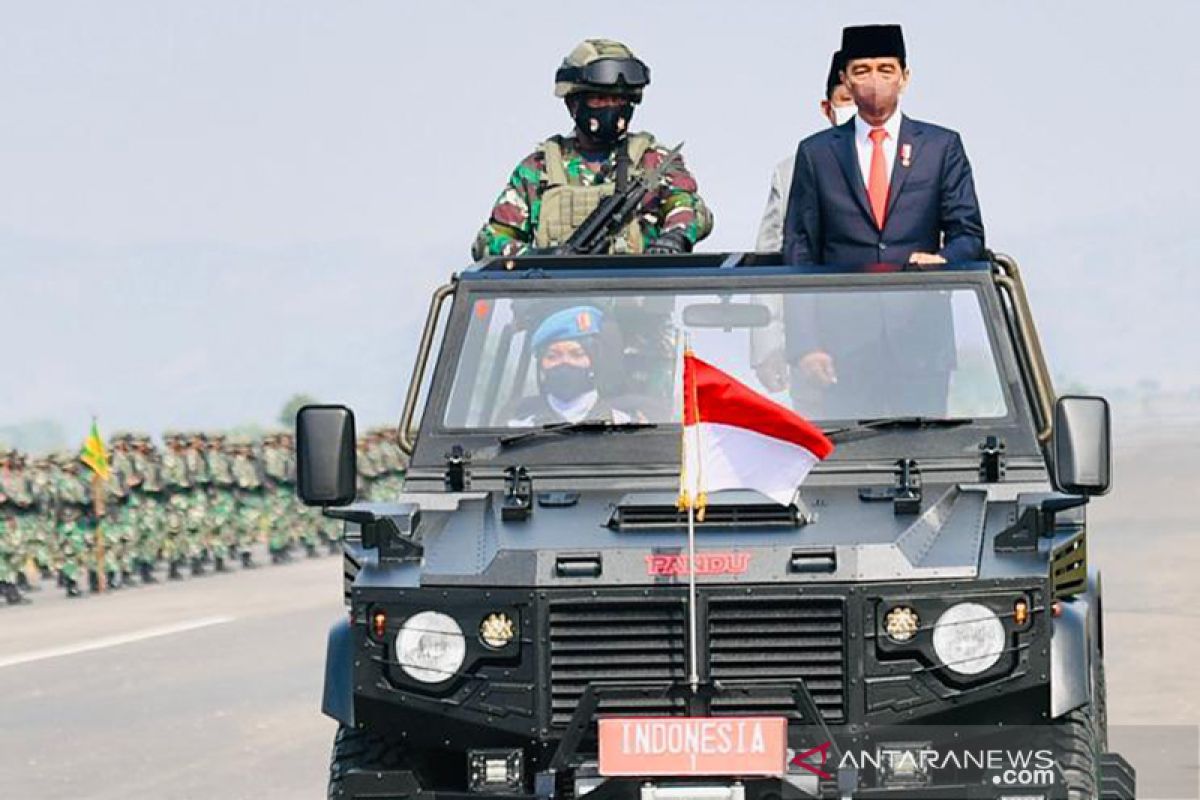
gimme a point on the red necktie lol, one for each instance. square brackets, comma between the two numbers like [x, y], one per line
[877, 183]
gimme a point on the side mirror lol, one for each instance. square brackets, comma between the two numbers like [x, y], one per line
[326, 468]
[1082, 445]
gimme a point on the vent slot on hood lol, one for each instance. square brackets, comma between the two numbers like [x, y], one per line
[657, 511]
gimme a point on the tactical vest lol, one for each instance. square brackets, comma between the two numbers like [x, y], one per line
[565, 205]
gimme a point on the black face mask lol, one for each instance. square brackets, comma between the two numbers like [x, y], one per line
[567, 381]
[606, 125]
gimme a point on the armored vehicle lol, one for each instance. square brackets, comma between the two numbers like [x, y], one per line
[524, 620]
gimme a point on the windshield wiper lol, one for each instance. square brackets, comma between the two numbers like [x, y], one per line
[867, 426]
[566, 428]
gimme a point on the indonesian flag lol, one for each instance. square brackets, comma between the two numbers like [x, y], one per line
[734, 438]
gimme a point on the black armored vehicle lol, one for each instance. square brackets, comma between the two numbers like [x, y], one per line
[525, 621]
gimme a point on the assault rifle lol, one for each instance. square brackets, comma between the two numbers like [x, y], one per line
[596, 232]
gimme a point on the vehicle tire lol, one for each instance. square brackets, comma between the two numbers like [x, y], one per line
[355, 749]
[1081, 738]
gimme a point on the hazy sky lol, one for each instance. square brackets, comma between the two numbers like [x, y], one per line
[209, 206]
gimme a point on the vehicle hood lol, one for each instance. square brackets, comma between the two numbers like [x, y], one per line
[841, 538]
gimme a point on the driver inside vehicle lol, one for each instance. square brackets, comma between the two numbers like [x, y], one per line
[567, 347]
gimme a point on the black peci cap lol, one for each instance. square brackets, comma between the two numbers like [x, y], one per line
[873, 41]
[836, 65]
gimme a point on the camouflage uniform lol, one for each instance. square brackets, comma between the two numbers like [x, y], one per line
[202, 532]
[147, 504]
[221, 505]
[534, 192]
[42, 541]
[248, 496]
[368, 467]
[512, 225]
[16, 507]
[116, 531]
[278, 495]
[176, 547]
[73, 520]
[390, 460]
[120, 462]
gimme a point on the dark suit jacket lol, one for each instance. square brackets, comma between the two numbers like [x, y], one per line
[880, 339]
[931, 203]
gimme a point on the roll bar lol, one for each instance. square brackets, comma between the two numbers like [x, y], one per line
[406, 435]
[1008, 278]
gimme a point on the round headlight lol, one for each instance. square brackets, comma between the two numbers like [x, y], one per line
[968, 638]
[430, 647]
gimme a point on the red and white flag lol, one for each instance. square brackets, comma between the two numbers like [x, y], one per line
[734, 438]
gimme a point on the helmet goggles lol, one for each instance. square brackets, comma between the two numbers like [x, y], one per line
[615, 73]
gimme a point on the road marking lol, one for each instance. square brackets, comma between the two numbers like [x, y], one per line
[112, 641]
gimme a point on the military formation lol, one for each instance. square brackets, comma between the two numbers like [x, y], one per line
[200, 503]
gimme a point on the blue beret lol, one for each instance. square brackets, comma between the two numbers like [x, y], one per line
[577, 322]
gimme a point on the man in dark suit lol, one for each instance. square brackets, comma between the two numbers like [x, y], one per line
[879, 189]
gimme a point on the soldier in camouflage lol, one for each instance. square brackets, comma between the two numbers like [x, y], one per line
[73, 520]
[247, 495]
[176, 547]
[120, 462]
[277, 498]
[555, 188]
[391, 463]
[16, 509]
[221, 504]
[200, 531]
[146, 471]
[42, 541]
[368, 467]
[115, 530]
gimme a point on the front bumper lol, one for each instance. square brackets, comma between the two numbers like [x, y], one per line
[526, 693]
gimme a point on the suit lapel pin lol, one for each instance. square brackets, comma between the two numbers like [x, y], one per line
[906, 155]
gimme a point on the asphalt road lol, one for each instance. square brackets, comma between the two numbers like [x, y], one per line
[205, 689]
[211, 688]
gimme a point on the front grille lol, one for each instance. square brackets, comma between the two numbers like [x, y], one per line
[624, 640]
[616, 642]
[762, 639]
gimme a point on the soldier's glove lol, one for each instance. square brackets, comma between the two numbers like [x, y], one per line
[670, 243]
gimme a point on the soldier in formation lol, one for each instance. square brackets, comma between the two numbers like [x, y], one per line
[200, 501]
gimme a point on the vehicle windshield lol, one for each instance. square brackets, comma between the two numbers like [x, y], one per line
[844, 355]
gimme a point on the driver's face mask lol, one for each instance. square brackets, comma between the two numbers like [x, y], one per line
[568, 381]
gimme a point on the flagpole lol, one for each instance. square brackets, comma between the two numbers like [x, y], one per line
[694, 671]
[690, 501]
[98, 512]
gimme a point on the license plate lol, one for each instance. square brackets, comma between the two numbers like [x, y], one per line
[683, 746]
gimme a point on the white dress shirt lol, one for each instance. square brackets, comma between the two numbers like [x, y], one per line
[864, 145]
